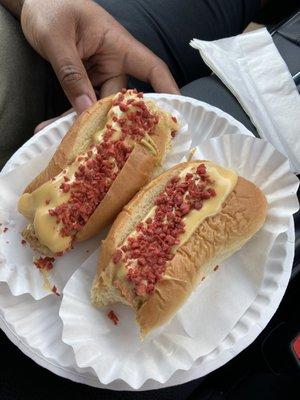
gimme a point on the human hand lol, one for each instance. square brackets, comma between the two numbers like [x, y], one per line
[88, 48]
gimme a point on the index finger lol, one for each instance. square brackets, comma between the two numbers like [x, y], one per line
[143, 64]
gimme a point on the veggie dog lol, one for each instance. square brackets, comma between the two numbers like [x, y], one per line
[171, 235]
[112, 150]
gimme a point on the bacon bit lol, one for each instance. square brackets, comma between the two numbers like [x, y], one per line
[117, 256]
[123, 107]
[185, 208]
[203, 277]
[66, 179]
[216, 267]
[113, 317]
[87, 251]
[65, 187]
[174, 118]
[146, 254]
[45, 263]
[5, 229]
[55, 291]
[212, 192]
[59, 254]
[23, 242]
[173, 134]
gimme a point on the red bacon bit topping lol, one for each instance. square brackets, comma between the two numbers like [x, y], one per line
[117, 256]
[174, 118]
[216, 267]
[146, 254]
[45, 263]
[5, 229]
[102, 165]
[65, 187]
[23, 242]
[123, 107]
[113, 317]
[47, 202]
[55, 291]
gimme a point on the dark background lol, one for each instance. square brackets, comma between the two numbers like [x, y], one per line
[267, 369]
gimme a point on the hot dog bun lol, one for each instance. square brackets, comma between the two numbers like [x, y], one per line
[216, 238]
[141, 165]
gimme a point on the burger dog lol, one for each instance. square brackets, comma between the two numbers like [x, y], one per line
[171, 235]
[112, 150]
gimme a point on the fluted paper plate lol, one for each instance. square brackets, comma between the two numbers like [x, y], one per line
[216, 306]
[16, 258]
[25, 320]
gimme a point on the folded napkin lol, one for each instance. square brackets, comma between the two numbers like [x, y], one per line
[253, 70]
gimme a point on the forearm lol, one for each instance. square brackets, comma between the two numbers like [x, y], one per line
[14, 6]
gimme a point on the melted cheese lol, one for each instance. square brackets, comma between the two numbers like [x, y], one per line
[36, 205]
[225, 181]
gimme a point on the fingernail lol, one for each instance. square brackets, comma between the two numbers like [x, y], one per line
[82, 102]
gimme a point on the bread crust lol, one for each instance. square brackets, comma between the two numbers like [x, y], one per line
[77, 138]
[137, 171]
[217, 237]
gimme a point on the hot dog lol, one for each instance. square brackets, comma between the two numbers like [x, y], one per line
[171, 235]
[112, 150]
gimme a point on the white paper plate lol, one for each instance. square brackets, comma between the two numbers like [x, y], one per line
[26, 321]
[217, 305]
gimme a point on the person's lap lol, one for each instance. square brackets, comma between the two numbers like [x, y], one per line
[29, 92]
[168, 26]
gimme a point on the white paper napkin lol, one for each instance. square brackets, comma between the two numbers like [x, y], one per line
[253, 70]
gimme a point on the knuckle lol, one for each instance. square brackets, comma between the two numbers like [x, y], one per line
[158, 67]
[160, 64]
[69, 74]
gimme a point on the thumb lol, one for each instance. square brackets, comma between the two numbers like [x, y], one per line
[72, 76]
